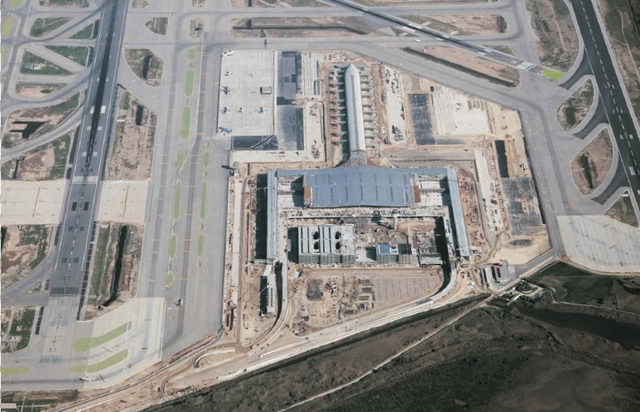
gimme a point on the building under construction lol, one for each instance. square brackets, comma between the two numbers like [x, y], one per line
[349, 200]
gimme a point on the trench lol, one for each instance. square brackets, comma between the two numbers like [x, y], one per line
[117, 271]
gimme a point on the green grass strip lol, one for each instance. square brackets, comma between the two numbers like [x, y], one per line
[200, 245]
[186, 122]
[181, 157]
[14, 370]
[7, 26]
[188, 87]
[203, 199]
[552, 74]
[169, 279]
[205, 160]
[176, 201]
[173, 245]
[97, 367]
[85, 344]
[191, 53]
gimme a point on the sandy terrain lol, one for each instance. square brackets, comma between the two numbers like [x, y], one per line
[47, 163]
[132, 146]
[471, 64]
[23, 247]
[575, 108]
[36, 91]
[302, 27]
[462, 25]
[591, 165]
[622, 211]
[558, 40]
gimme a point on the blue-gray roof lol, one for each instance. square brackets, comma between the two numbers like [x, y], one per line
[359, 186]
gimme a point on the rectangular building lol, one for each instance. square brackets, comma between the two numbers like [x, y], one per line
[327, 245]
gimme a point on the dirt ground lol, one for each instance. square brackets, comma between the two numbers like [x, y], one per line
[498, 357]
[462, 25]
[301, 27]
[37, 91]
[132, 145]
[47, 163]
[470, 64]
[591, 165]
[117, 254]
[326, 297]
[26, 124]
[575, 108]
[413, 2]
[145, 65]
[557, 37]
[17, 323]
[619, 20]
[23, 247]
[277, 3]
[622, 211]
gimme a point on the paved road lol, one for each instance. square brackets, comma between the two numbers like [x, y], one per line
[611, 97]
[71, 269]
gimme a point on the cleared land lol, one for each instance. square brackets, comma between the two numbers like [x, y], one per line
[65, 3]
[625, 39]
[33, 64]
[132, 145]
[468, 63]
[301, 27]
[42, 26]
[557, 37]
[116, 266]
[622, 211]
[591, 165]
[499, 357]
[46, 163]
[145, 65]
[275, 3]
[78, 54]
[158, 25]
[573, 111]
[26, 124]
[36, 91]
[16, 330]
[462, 25]
[23, 248]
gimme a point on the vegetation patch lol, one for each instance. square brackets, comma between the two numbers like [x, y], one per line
[32, 64]
[37, 90]
[557, 37]
[573, 110]
[158, 25]
[116, 266]
[42, 26]
[78, 54]
[87, 33]
[65, 3]
[27, 124]
[145, 65]
[45, 163]
[18, 323]
[622, 211]
[591, 165]
[131, 149]
[99, 366]
[23, 248]
[86, 344]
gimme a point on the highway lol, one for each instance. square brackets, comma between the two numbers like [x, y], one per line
[612, 96]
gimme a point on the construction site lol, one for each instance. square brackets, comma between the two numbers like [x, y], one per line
[358, 187]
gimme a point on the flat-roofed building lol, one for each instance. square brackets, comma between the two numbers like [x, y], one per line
[355, 119]
[327, 245]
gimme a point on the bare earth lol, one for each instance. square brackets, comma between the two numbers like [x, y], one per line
[558, 40]
[573, 111]
[462, 25]
[23, 247]
[591, 165]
